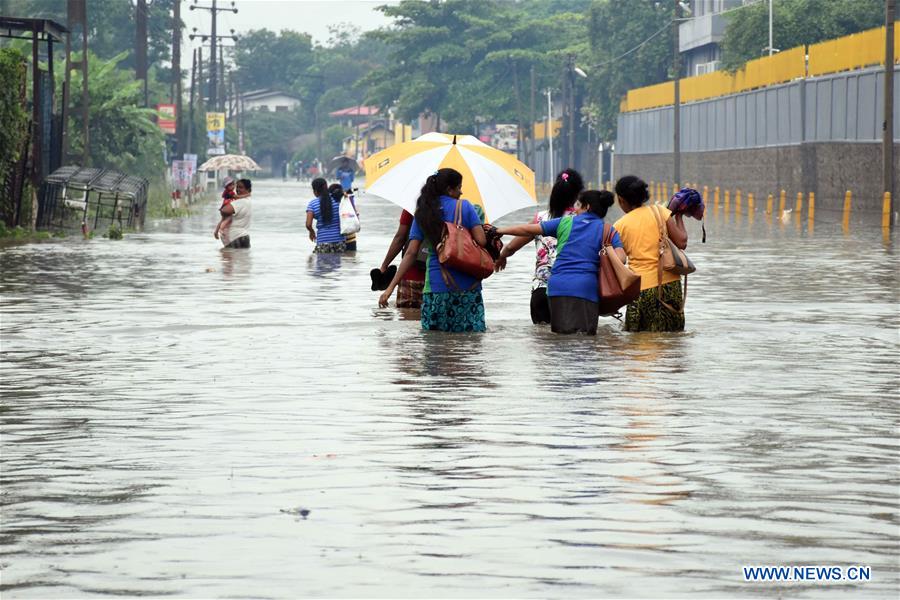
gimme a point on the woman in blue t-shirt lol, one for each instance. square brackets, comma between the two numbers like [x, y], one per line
[572, 287]
[325, 208]
[451, 300]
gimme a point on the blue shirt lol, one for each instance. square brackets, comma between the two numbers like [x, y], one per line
[326, 233]
[577, 255]
[346, 178]
[434, 279]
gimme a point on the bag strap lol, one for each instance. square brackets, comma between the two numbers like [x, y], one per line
[449, 281]
[659, 270]
[457, 217]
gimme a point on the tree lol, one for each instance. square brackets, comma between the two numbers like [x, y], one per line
[124, 136]
[620, 62]
[14, 119]
[265, 59]
[111, 27]
[747, 29]
[468, 60]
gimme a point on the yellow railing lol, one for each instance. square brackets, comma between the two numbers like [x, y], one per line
[850, 52]
[842, 54]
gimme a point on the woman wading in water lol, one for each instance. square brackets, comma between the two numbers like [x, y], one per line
[452, 299]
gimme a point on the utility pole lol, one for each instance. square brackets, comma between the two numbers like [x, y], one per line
[140, 45]
[676, 106]
[550, 132]
[530, 159]
[213, 103]
[190, 128]
[888, 130]
[176, 71]
[570, 84]
[771, 46]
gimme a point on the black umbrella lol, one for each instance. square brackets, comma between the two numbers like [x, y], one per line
[339, 160]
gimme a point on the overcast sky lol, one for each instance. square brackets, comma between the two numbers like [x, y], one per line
[308, 16]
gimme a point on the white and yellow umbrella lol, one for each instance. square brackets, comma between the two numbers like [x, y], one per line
[491, 178]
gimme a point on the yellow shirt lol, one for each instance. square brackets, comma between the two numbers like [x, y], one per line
[639, 231]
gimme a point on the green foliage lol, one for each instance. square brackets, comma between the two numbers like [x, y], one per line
[467, 60]
[114, 233]
[794, 23]
[12, 115]
[265, 59]
[615, 28]
[124, 135]
[111, 26]
[271, 132]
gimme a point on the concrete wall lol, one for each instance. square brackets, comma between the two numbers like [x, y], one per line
[828, 169]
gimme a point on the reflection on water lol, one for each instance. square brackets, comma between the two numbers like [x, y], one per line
[170, 407]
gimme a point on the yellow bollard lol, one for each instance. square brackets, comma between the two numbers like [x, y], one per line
[781, 202]
[886, 211]
[716, 198]
[798, 208]
[727, 201]
[750, 208]
[769, 202]
[848, 200]
[705, 193]
[674, 189]
[737, 202]
[812, 211]
[652, 191]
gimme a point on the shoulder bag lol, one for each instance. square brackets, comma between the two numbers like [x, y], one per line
[671, 259]
[458, 250]
[617, 285]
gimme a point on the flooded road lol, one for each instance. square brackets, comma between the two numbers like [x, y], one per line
[168, 411]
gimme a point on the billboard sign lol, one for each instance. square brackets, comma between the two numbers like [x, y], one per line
[166, 117]
[215, 131]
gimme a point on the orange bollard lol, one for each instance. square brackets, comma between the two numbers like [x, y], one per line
[727, 201]
[652, 191]
[716, 198]
[781, 202]
[705, 193]
[737, 202]
[811, 212]
[848, 200]
[886, 211]
[798, 207]
[769, 201]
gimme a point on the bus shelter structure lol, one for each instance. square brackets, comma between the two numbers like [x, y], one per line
[73, 197]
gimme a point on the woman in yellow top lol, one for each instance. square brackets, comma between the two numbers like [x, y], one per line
[639, 231]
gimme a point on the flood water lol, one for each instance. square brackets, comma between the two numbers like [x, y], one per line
[169, 409]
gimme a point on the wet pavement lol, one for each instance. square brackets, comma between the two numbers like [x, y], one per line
[170, 411]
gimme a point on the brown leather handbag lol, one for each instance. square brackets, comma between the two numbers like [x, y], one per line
[617, 285]
[458, 250]
[671, 259]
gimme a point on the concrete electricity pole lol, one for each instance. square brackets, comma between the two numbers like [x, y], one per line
[887, 139]
[676, 67]
[140, 45]
[214, 40]
[176, 72]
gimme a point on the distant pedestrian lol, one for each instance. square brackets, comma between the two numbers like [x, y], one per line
[325, 210]
[566, 189]
[237, 234]
[344, 175]
[640, 233]
[572, 285]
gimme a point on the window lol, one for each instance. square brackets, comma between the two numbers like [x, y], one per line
[706, 67]
[281, 108]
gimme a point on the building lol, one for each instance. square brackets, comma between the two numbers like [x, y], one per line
[270, 100]
[373, 130]
[700, 35]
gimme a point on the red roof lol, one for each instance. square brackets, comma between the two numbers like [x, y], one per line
[353, 111]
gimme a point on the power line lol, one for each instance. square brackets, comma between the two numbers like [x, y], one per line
[638, 47]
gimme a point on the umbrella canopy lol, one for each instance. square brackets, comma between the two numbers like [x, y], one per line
[493, 179]
[232, 162]
[335, 162]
